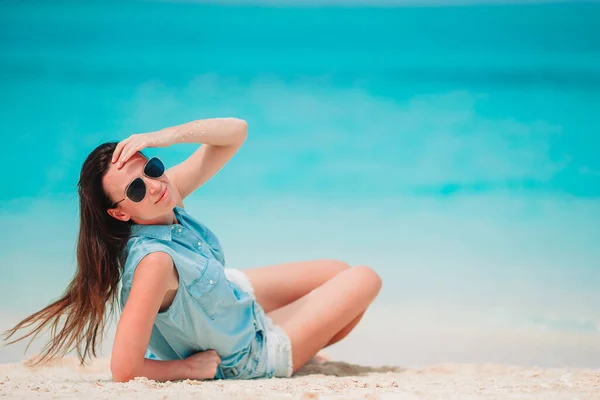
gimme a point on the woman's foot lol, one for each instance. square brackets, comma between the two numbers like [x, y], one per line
[320, 358]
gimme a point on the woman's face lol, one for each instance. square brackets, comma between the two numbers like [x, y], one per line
[157, 201]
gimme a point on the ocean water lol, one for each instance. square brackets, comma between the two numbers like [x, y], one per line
[453, 148]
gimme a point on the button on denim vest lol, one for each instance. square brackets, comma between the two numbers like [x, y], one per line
[208, 311]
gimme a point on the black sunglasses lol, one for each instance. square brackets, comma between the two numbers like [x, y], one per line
[136, 190]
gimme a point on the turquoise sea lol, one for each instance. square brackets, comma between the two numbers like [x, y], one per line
[454, 148]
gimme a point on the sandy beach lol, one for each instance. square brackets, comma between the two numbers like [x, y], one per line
[331, 380]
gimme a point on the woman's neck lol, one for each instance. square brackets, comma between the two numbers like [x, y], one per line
[165, 219]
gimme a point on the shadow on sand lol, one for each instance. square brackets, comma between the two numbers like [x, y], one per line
[336, 368]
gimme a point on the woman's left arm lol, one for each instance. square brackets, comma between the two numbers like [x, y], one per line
[222, 137]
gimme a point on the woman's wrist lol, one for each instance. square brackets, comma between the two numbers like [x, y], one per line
[163, 138]
[186, 368]
[167, 370]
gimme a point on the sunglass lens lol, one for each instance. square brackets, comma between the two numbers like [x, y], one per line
[136, 190]
[154, 168]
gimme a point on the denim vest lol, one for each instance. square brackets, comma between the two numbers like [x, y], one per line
[208, 311]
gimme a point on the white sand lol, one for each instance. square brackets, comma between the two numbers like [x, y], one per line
[331, 380]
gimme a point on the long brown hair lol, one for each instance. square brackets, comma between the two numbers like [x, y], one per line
[77, 320]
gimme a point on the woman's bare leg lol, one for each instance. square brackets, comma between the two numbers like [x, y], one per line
[276, 286]
[328, 312]
[346, 330]
[284, 313]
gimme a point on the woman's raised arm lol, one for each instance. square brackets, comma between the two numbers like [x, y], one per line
[221, 139]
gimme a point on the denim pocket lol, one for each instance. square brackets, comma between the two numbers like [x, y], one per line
[252, 365]
[227, 372]
[256, 366]
[212, 290]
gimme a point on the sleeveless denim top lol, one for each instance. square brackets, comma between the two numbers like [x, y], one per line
[208, 311]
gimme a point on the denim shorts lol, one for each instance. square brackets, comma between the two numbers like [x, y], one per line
[278, 346]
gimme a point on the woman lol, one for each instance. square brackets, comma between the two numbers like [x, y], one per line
[183, 315]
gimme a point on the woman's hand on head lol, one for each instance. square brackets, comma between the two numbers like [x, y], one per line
[138, 142]
[203, 365]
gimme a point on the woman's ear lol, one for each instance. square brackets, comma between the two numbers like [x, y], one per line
[118, 214]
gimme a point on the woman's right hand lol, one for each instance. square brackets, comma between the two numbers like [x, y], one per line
[203, 365]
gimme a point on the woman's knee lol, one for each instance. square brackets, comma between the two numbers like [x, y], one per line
[369, 278]
[335, 266]
[365, 276]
